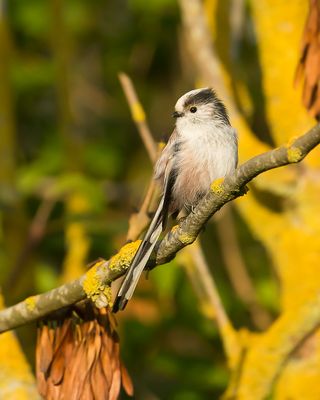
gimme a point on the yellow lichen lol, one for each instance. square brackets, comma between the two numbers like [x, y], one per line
[30, 303]
[161, 145]
[108, 294]
[216, 186]
[174, 228]
[294, 154]
[97, 290]
[231, 344]
[124, 257]
[92, 284]
[76, 237]
[137, 112]
[186, 239]
[16, 378]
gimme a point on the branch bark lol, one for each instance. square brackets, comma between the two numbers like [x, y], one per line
[95, 282]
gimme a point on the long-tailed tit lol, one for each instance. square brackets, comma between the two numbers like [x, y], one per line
[202, 148]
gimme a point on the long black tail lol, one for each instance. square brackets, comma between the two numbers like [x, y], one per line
[139, 260]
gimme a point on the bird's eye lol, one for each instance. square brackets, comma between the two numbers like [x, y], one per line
[193, 109]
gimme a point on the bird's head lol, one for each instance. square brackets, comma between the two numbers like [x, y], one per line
[200, 106]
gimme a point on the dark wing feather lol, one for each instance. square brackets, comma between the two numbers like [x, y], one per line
[167, 198]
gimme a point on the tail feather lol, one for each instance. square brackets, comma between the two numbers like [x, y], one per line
[139, 261]
[147, 245]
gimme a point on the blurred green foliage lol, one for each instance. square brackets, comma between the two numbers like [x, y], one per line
[72, 133]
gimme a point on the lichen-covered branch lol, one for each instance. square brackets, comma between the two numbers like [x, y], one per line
[274, 347]
[94, 283]
[223, 191]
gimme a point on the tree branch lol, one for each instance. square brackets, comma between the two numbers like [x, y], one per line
[224, 190]
[274, 347]
[94, 283]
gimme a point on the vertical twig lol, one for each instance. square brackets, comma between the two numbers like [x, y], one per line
[237, 21]
[139, 116]
[7, 124]
[236, 269]
[227, 332]
[36, 232]
[138, 221]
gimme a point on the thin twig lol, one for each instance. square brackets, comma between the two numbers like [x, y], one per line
[139, 116]
[236, 269]
[222, 191]
[35, 234]
[138, 221]
[227, 332]
[266, 357]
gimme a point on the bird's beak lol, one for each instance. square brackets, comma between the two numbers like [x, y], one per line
[177, 114]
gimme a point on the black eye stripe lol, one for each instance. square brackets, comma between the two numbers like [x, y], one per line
[193, 109]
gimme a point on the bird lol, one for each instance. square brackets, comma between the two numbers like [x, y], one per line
[202, 147]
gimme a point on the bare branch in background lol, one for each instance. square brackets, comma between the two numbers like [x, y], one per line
[237, 21]
[236, 269]
[138, 221]
[227, 332]
[139, 116]
[35, 234]
[205, 60]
